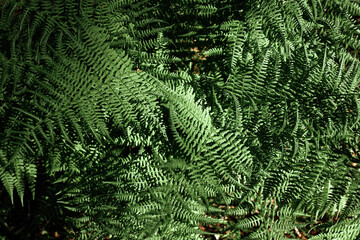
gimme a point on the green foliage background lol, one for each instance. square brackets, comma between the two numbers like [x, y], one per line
[129, 119]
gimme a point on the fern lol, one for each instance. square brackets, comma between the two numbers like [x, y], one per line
[154, 120]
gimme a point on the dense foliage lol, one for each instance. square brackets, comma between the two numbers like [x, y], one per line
[179, 119]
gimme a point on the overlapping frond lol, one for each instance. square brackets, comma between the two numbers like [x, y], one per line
[157, 120]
